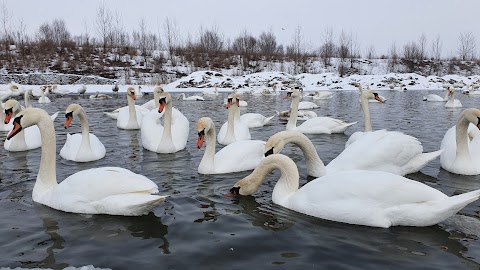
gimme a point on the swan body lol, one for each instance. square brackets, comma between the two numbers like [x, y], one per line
[82, 147]
[461, 145]
[316, 125]
[235, 157]
[452, 101]
[301, 116]
[130, 117]
[436, 98]
[172, 136]
[58, 91]
[99, 96]
[82, 89]
[12, 90]
[191, 98]
[139, 108]
[307, 105]
[234, 129]
[321, 95]
[254, 120]
[43, 98]
[369, 198]
[105, 190]
[28, 138]
[210, 93]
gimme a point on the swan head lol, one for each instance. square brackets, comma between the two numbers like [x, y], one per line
[295, 92]
[11, 106]
[230, 100]
[277, 141]
[163, 99]
[237, 99]
[13, 87]
[131, 92]
[158, 90]
[27, 118]
[359, 87]
[204, 124]
[71, 111]
[472, 115]
[372, 95]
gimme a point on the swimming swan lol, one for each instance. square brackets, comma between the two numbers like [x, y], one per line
[369, 198]
[104, 190]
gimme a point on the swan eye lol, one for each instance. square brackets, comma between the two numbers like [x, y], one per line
[269, 152]
[230, 100]
[7, 111]
[235, 190]
[478, 123]
[17, 119]
[201, 133]
[289, 94]
[70, 114]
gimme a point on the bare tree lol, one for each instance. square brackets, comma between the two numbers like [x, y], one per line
[421, 46]
[370, 53]
[467, 46]
[211, 41]
[343, 51]
[354, 48]
[436, 54]
[267, 43]
[103, 25]
[170, 34]
[297, 46]
[327, 48]
[393, 57]
[6, 37]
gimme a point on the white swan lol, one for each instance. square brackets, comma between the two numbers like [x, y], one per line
[43, 98]
[99, 96]
[172, 136]
[105, 190]
[233, 130]
[129, 117]
[210, 93]
[301, 116]
[28, 138]
[5, 125]
[190, 98]
[251, 120]
[138, 92]
[59, 91]
[461, 145]
[241, 103]
[26, 97]
[306, 105]
[82, 147]
[316, 125]
[115, 89]
[320, 95]
[369, 198]
[374, 154]
[436, 98]
[235, 157]
[153, 104]
[11, 91]
[82, 90]
[452, 102]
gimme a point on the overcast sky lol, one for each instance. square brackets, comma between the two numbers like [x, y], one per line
[375, 22]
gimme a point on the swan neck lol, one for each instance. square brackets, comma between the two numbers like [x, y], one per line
[210, 141]
[47, 177]
[230, 125]
[292, 120]
[237, 112]
[461, 137]
[156, 96]
[131, 110]
[27, 100]
[85, 129]
[315, 166]
[167, 126]
[366, 113]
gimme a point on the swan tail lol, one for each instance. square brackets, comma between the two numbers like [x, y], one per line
[112, 115]
[351, 124]
[267, 119]
[131, 204]
[54, 116]
[420, 161]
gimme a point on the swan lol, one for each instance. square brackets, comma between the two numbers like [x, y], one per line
[461, 145]
[169, 138]
[144, 109]
[28, 138]
[99, 96]
[316, 125]
[26, 97]
[138, 92]
[233, 130]
[104, 190]
[251, 120]
[82, 90]
[43, 98]
[54, 89]
[452, 102]
[209, 93]
[369, 198]
[302, 115]
[241, 103]
[235, 157]
[82, 147]
[153, 104]
[11, 91]
[319, 95]
[115, 89]
[190, 98]
[5, 126]
[360, 156]
[436, 98]
[307, 105]
[129, 117]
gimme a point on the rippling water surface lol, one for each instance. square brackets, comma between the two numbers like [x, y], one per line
[199, 227]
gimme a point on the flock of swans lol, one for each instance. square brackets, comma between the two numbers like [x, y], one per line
[363, 185]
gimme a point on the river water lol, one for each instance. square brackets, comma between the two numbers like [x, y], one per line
[198, 227]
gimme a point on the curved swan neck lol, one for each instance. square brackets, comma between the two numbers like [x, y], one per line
[315, 165]
[85, 128]
[47, 177]
[131, 109]
[461, 137]
[156, 96]
[366, 112]
[452, 96]
[292, 120]
[289, 177]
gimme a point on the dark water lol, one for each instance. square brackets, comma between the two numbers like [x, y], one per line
[198, 227]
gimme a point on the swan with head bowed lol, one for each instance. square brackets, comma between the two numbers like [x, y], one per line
[251, 120]
[461, 145]
[316, 125]
[452, 101]
[235, 157]
[172, 136]
[372, 155]
[301, 116]
[233, 130]
[130, 117]
[82, 147]
[436, 98]
[191, 98]
[28, 138]
[369, 198]
[99, 96]
[104, 190]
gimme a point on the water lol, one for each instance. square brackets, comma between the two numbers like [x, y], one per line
[198, 227]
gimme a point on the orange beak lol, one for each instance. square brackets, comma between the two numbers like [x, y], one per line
[379, 99]
[68, 121]
[289, 95]
[133, 96]
[228, 105]
[16, 129]
[200, 140]
[161, 107]
[8, 116]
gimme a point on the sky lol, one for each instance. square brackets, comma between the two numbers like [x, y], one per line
[376, 23]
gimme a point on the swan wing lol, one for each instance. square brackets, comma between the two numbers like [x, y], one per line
[239, 156]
